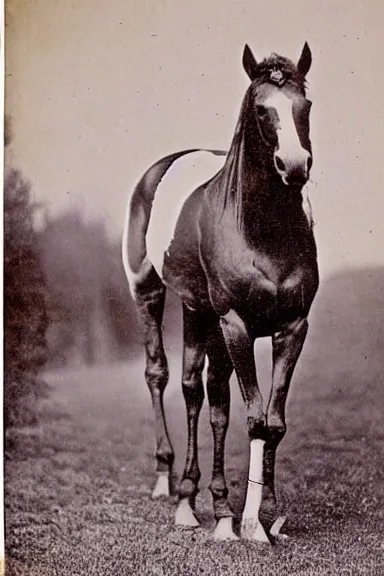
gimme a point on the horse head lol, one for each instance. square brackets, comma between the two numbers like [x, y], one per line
[280, 109]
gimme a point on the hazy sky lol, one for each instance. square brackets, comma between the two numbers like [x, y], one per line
[98, 91]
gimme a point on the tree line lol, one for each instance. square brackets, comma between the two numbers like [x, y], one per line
[66, 299]
[90, 311]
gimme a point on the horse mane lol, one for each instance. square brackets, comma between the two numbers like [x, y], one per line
[233, 187]
[233, 168]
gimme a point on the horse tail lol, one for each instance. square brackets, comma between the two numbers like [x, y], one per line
[134, 251]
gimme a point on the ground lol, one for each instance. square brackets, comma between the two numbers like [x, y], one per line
[78, 483]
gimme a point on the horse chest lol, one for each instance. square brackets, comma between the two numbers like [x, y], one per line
[281, 294]
[262, 289]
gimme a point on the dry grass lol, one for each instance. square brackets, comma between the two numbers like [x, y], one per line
[78, 484]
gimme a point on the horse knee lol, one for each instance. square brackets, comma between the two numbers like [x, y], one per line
[276, 433]
[156, 376]
[189, 486]
[218, 488]
[192, 382]
[219, 418]
[193, 389]
[219, 373]
[257, 428]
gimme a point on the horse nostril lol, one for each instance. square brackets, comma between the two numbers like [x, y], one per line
[279, 163]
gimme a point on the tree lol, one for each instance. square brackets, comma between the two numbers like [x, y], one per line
[25, 317]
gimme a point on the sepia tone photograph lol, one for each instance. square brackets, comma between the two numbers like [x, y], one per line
[193, 303]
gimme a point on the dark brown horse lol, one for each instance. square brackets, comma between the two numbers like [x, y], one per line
[228, 234]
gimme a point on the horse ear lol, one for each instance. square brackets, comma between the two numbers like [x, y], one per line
[305, 60]
[249, 63]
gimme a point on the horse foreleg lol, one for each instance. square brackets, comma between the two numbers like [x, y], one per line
[219, 371]
[193, 391]
[287, 346]
[240, 347]
[151, 306]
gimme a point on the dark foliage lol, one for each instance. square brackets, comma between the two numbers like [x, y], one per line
[25, 317]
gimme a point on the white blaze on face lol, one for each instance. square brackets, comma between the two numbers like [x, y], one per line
[183, 177]
[290, 149]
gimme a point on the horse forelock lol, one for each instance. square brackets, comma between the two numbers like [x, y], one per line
[279, 64]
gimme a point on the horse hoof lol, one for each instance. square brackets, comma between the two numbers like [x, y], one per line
[224, 530]
[184, 515]
[162, 485]
[252, 529]
[281, 538]
[277, 526]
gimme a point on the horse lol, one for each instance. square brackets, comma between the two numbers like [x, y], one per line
[228, 232]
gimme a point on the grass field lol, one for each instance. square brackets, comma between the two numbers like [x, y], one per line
[78, 484]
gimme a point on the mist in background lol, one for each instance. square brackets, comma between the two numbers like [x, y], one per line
[97, 93]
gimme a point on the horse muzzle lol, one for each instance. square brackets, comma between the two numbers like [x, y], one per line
[294, 171]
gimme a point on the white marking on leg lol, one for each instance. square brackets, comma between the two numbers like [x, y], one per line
[277, 526]
[183, 177]
[251, 527]
[162, 485]
[256, 461]
[224, 530]
[184, 514]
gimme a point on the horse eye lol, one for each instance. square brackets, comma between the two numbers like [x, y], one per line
[261, 110]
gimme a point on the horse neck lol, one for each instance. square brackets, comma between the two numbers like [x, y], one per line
[263, 206]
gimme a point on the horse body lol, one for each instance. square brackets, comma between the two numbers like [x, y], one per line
[238, 249]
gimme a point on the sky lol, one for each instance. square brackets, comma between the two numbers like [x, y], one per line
[98, 91]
